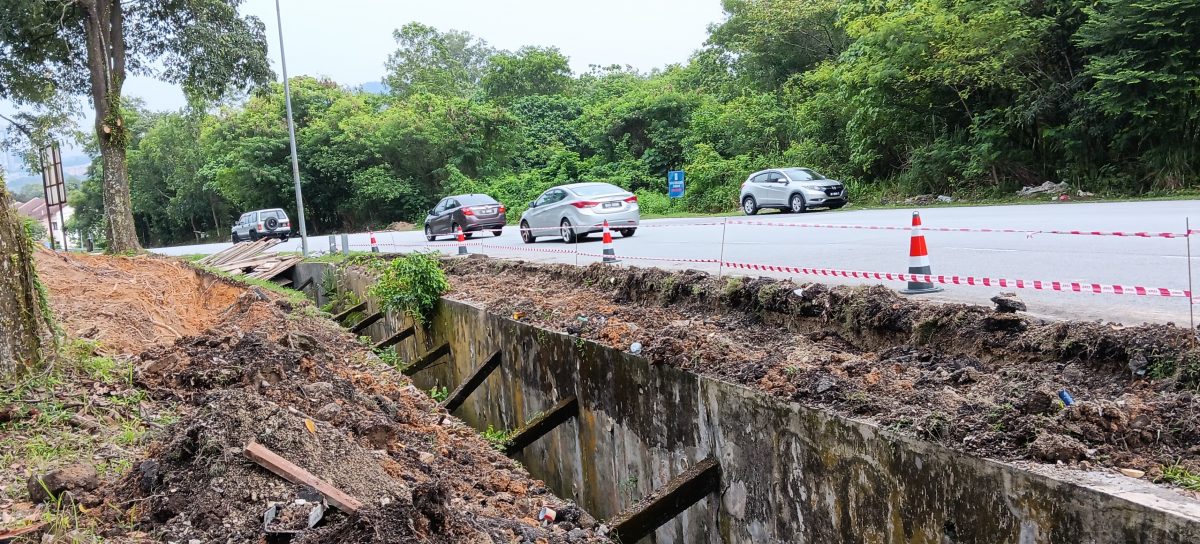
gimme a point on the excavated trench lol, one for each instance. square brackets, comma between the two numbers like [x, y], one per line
[677, 446]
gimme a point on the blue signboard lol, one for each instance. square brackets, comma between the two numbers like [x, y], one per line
[675, 184]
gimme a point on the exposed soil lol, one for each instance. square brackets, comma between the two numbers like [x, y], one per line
[251, 367]
[972, 378]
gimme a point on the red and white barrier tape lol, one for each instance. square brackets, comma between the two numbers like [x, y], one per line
[666, 259]
[1038, 285]
[1029, 232]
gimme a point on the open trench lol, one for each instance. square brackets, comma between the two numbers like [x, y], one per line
[669, 455]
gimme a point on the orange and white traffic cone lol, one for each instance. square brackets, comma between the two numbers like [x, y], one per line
[610, 256]
[374, 244]
[462, 242]
[918, 260]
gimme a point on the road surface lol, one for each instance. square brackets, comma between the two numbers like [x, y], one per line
[1151, 262]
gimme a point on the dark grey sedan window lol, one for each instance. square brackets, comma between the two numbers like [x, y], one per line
[476, 200]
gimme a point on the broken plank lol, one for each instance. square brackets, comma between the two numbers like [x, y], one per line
[441, 351]
[555, 416]
[667, 502]
[356, 308]
[465, 389]
[366, 322]
[391, 340]
[289, 471]
[305, 284]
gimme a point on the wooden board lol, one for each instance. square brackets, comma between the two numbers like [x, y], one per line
[289, 471]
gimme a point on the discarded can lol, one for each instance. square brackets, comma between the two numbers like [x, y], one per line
[547, 515]
[1065, 397]
[635, 348]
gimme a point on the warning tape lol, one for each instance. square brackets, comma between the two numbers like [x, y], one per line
[533, 249]
[667, 259]
[967, 229]
[1038, 285]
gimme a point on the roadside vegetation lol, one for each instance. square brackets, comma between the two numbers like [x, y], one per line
[968, 98]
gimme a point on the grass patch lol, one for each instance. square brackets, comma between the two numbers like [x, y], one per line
[498, 438]
[1180, 476]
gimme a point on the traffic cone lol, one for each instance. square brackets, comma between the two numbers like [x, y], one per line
[918, 260]
[610, 256]
[374, 244]
[462, 242]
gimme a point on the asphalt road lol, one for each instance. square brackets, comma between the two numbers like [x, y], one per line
[1151, 262]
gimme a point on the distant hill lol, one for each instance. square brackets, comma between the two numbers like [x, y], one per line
[19, 182]
[375, 87]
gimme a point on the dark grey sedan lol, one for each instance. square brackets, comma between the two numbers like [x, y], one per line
[473, 213]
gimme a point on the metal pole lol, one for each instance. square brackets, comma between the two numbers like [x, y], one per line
[287, 94]
[1191, 290]
[721, 263]
[41, 153]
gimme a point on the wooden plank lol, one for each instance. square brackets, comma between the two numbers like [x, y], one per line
[280, 268]
[366, 322]
[465, 389]
[441, 351]
[555, 416]
[289, 471]
[356, 308]
[667, 502]
[393, 339]
[305, 284]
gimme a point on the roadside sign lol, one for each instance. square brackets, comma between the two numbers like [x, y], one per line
[675, 183]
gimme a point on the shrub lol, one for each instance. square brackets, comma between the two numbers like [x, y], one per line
[412, 284]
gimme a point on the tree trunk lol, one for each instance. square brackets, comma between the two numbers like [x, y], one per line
[22, 324]
[106, 68]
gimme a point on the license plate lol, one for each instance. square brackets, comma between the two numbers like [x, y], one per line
[612, 204]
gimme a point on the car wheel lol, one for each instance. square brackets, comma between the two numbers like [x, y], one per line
[429, 237]
[497, 232]
[749, 206]
[234, 238]
[527, 234]
[283, 238]
[796, 203]
[253, 236]
[568, 233]
[626, 233]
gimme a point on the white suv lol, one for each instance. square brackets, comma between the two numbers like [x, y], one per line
[260, 224]
[791, 190]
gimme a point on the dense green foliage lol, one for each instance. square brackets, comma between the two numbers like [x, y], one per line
[412, 284]
[897, 97]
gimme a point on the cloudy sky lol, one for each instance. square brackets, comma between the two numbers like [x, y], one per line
[349, 40]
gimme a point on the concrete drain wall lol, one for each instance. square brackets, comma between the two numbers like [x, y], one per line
[787, 473]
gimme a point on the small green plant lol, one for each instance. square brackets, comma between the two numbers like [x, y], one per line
[498, 438]
[1181, 476]
[389, 357]
[412, 284]
[440, 394]
[629, 487]
[791, 370]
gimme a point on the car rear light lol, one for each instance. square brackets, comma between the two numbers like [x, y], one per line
[585, 204]
[260, 225]
[468, 211]
[285, 224]
[503, 209]
[632, 199]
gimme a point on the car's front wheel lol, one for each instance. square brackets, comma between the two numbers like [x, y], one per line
[749, 206]
[796, 203]
[527, 233]
[568, 232]
[429, 237]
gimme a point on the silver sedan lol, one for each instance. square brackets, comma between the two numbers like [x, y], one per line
[571, 212]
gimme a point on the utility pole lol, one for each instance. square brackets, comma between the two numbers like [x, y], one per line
[287, 94]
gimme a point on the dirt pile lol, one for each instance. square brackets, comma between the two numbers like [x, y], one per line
[250, 366]
[975, 379]
[128, 303]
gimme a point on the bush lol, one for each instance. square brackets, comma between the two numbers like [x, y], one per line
[411, 284]
[34, 229]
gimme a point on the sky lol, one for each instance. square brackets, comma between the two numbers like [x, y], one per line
[349, 40]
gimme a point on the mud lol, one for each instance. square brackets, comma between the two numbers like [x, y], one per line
[260, 369]
[965, 376]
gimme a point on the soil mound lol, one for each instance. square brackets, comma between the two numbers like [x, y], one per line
[129, 303]
[313, 394]
[972, 378]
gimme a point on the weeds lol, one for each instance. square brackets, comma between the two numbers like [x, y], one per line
[498, 438]
[439, 394]
[1181, 476]
[412, 284]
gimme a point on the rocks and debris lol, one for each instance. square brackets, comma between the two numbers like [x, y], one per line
[75, 479]
[401, 226]
[1049, 187]
[921, 199]
[945, 198]
[251, 370]
[961, 375]
[1133, 473]
[1008, 303]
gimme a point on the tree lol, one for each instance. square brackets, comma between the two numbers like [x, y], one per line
[772, 40]
[23, 325]
[428, 61]
[90, 47]
[528, 72]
